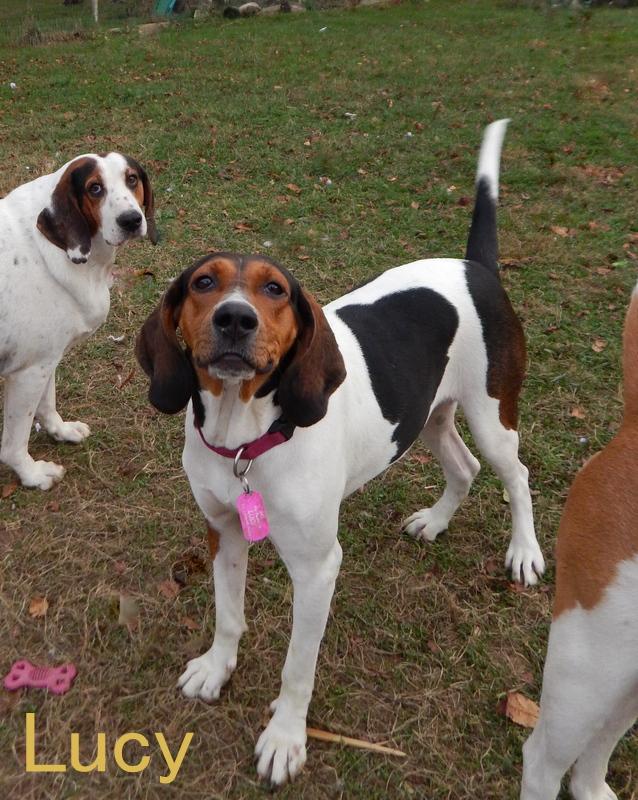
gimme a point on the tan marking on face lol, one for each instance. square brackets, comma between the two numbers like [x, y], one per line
[277, 327]
[213, 542]
[91, 206]
[138, 189]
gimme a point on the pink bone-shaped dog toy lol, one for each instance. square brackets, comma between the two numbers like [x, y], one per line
[56, 679]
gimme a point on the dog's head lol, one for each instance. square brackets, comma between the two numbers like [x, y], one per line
[98, 195]
[246, 320]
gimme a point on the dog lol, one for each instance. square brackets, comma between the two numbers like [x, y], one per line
[590, 683]
[323, 400]
[58, 237]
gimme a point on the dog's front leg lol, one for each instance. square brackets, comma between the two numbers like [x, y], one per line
[281, 749]
[22, 393]
[205, 676]
[53, 423]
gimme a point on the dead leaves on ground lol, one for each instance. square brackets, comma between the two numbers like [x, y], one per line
[520, 709]
[38, 607]
[8, 489]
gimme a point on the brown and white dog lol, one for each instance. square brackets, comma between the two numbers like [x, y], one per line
[342, 392]
[58, 237]
[590, 684]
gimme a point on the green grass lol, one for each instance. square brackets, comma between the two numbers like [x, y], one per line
[423, 641]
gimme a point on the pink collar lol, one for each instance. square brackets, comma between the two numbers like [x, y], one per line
[257, 447]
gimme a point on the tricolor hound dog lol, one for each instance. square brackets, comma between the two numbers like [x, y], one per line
[58, 237]
[590, 684]
[358, 382]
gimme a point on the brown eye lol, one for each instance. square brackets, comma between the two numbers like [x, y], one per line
[95, 189]
[132, 180]
[203, 283]
[273, 289]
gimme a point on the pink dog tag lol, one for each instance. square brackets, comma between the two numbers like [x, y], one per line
[252, 515]
[56, 679]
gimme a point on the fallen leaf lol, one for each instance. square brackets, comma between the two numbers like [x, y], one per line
[170, 589]
[242, 227]
[293, 188]
[559, 230]
[129, 612]
[603, 270]
[38, 607]
[415, 205]
[578, 412]
[120, 567]
[593, 225]
[53, 506]
[605, 175]
[8, 489]
[521, 709]
[189, 623]
[598, 345]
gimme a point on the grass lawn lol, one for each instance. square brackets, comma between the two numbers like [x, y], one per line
[237, 123]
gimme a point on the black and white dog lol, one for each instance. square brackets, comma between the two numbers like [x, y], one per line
[323, 400]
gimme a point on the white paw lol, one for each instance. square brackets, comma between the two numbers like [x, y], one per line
[281, 750]
[205, 676]
[426, 524]
[41, 474]
[526, 562]
[69, 431]
[581, 792]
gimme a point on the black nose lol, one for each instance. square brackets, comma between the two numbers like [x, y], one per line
[235, 320]
[130, 221]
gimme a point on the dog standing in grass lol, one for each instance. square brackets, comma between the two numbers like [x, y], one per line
[590, 684]
[58, 238]
[323, 400]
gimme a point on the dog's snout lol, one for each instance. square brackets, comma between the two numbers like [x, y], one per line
[235, 320]
[130, 221]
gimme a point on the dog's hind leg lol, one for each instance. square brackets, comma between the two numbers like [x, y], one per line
[589, 773]
[22, 393]
[499, 445]
[588, 701]
[459, 467]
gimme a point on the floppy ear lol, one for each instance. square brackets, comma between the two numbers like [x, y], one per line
[63, 222]
[149, 208]
[149, 203]
[315, 370]
[162, 358]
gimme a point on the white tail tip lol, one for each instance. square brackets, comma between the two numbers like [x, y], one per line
[490, 156]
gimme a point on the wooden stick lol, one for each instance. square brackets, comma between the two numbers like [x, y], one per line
[337, 738]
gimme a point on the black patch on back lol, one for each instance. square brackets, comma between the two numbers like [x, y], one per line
[405, 339]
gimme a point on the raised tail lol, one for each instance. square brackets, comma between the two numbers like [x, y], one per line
[482, 242]
[630, 360]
